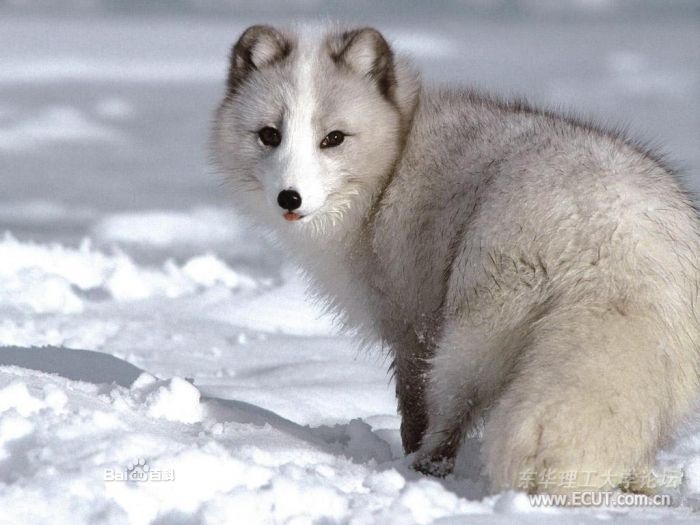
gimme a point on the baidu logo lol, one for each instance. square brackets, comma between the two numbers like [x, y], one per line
[139, 470]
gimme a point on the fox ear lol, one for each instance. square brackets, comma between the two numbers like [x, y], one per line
[367, 53]
[258, 46]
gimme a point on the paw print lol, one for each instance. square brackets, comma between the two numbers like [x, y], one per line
[137, 470]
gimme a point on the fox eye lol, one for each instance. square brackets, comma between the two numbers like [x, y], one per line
[334, 138]
[270, 136]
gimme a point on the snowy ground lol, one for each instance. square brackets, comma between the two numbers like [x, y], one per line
[143, 327]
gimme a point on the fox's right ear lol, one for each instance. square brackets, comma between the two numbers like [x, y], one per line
[258, 46]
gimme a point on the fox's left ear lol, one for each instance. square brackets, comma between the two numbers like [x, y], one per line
[367, 53]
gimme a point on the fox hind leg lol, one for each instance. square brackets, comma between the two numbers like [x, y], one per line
[590, 400]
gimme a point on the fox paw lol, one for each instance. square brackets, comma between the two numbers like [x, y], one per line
[436, 466]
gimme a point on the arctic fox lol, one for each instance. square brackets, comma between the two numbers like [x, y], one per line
[535, 277]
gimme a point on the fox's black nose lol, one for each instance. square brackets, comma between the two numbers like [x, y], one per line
[289, 199]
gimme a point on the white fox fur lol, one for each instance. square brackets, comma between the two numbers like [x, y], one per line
[527, 270]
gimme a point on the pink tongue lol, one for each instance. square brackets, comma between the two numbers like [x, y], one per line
[291, 216]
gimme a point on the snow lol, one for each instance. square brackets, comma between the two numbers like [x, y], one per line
[237, 461]
[277, 421]
[55, 124]
[203, 226]
[160, 362]
[174, 399]
[50, 280]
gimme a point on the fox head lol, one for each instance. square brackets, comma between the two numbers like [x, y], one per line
[312, 124]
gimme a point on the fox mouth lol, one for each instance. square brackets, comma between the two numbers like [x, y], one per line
[292, 216]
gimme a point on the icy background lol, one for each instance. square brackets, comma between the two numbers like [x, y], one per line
[120, 242]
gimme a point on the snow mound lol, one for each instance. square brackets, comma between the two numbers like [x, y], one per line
[174, 399]
[56, 279]
[137, 464]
